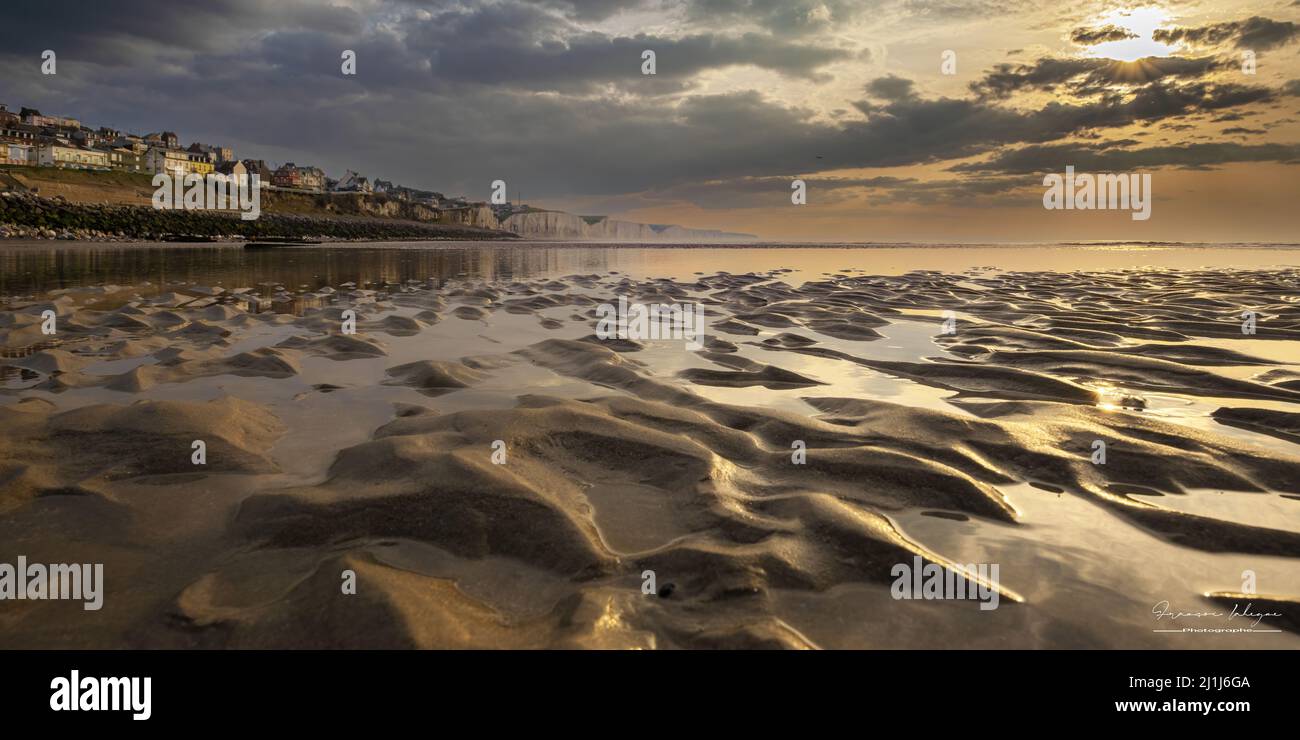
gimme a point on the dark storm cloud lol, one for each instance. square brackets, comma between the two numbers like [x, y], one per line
[514, 43]
[600, 9]
[527, 47]
[593, 58]
[1093, 36]
[783, 17]
[450, 96]
[122, 31]
[1253, 33]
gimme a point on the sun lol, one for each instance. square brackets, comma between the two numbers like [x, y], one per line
[1142, 23]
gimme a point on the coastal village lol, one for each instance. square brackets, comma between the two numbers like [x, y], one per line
[310, 202]
[29, 138]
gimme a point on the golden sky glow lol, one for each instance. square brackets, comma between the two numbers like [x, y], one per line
[851, 96]
[1214, 176]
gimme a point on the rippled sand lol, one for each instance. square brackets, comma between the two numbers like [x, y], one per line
[965, 442]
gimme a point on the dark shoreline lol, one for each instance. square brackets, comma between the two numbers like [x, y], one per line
[32, 217]
[516, 240]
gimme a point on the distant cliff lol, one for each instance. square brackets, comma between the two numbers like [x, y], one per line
[566, 226]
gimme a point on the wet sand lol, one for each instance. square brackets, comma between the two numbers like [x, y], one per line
[373, 452]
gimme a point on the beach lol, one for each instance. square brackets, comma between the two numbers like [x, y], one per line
[445, 428]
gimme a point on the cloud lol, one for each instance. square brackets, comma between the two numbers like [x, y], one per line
[891, 88]
[1055, 157]
[125, 32]
[549, 96]
[1094, 36]
[781, 17]
[1086, 75]
[771, 192]
[1255, 32]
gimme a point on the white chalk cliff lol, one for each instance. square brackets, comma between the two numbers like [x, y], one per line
[559, 225]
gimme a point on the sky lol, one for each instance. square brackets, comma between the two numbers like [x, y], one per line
[851, 97]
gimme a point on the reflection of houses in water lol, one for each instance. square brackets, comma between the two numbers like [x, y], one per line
[30, 271]
[14, 353]
[289, 281]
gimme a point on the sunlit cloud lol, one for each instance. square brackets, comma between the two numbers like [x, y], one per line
[1142, 24]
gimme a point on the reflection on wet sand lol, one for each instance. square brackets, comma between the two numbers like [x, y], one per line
[948, 416]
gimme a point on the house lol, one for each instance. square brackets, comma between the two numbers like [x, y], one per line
[85, 137]
[217, 154]
[8, 117]
[260, 168]
[232, 169]
[19, 133]
[125, 159]
[313, 178]
[165, 139]
[161, 160]
[134, 143]
[33, 117]
[72, 157]
[353, 183]
[287, 176]
[392, 190]
[203, 151]
[177, 162]
[199, 163]
[299, 178]
[17, 154]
